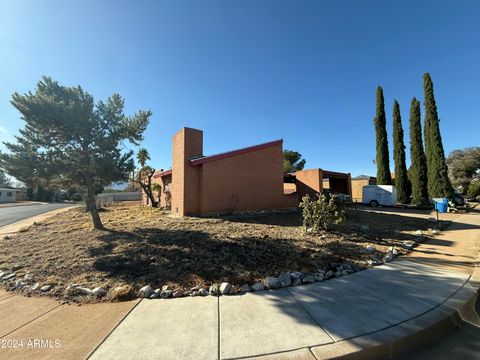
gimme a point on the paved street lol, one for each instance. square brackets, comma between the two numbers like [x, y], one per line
[12, 214]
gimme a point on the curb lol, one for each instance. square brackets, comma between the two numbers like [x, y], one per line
[422, 330]
[404, 337]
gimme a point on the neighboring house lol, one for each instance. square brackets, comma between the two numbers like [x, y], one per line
[7, 195]
[21, 194]
[246, 179]
[358, 183]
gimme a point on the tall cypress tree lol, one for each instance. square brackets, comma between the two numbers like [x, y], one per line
[418, 169]
[401, 176]
[438, 183]
[383, 162]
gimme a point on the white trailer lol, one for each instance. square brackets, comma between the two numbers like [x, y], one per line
[375, 195]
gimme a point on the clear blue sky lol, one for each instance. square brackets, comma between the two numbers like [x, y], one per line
[247, 72]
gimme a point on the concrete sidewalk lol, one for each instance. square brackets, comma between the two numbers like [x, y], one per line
[363, 313]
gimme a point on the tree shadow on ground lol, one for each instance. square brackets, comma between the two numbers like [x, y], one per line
[159, 256]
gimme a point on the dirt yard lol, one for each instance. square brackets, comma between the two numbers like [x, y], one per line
[148, 246]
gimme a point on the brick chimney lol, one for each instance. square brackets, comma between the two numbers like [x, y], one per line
[185, 187]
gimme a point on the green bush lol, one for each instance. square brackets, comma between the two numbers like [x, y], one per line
[321, 213]
[77, 197]
[473, 189]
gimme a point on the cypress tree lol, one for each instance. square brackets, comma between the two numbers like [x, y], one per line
[382, 157]
[401, 176]
[437, 172]
[418, 169]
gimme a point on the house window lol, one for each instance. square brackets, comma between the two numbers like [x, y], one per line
[9, 194]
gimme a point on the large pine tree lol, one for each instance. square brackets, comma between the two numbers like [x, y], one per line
[382, 158]
[438, 183]
[418, 168]
[401, 176]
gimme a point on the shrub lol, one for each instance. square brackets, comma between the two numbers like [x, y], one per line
[473, 189]
[77, 197]
[321, 213]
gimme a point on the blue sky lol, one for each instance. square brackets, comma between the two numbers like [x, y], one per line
[248, 72]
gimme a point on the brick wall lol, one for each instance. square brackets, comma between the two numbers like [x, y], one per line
[249, 181]
[309, 182]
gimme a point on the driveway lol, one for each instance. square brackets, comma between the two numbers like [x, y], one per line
[12, 214]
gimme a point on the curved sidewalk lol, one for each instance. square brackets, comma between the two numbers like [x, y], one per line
[367, 314]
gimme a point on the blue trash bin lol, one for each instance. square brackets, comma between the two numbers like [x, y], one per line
[441, 204]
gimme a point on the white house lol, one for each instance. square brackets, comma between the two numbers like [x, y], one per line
[7, 195]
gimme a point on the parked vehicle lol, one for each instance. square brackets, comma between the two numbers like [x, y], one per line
[379, 195]
[458, 200]
[342, 197]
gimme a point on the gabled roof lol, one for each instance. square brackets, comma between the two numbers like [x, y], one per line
[210, 158]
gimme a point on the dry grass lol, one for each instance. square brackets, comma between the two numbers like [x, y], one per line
[147, 246]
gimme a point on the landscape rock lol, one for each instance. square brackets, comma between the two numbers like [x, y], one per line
[272, 282]
[155, 295]
[177, 293]
[2, 274]
[202, 292]
[296, 275]
[84, 291]
[370, 249]
[8, 277]
[225, 288]
[99, 292]
[258, 287]
[29, 278]
[145, 292]
[45, 288]
[419, 232]
[244, 288]
[166, 293]
[35, 286]
[388, 257]
[285, 279]
[318, 277]
[165, 287]
[19, 284]
[328, 274]
[408, 245]
[297, 282]
[214, 290]
[435, 232]
[122, 293]
[309, 279]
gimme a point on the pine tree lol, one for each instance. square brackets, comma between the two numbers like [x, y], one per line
[74, 140]
[418, 168]
[382, 159]
[401, 176]
[437, 171]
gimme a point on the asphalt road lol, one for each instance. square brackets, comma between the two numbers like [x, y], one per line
[12, 214]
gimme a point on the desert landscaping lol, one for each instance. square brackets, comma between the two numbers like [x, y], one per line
[63, 257]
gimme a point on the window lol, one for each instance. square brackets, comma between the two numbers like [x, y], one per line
[9, 194]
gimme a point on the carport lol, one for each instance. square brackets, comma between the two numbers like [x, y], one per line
[313, 181]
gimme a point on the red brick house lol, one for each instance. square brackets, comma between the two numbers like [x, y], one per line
[250, 178]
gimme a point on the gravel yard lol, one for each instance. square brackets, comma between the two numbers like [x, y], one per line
[149, 246]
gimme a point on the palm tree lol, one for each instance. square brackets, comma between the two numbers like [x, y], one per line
[142, 156]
